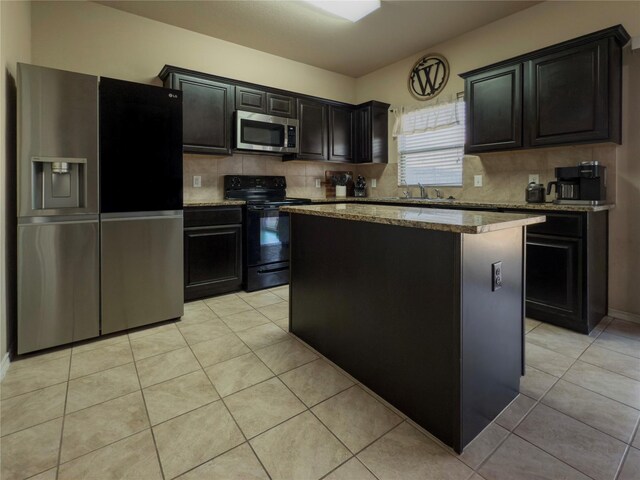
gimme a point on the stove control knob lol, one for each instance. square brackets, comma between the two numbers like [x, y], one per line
[235, 182]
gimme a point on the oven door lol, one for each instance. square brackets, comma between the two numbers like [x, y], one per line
[267, 235]
[256, 131]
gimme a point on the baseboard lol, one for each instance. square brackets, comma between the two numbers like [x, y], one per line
[629, 317]
[4, 366]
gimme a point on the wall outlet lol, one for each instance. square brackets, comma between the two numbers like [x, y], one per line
[496, 276]
[197, 181]
[477, 180]
[318, 183]
[534, 177]
[374, 183]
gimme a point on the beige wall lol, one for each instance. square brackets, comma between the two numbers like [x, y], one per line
[90, 38]
[505, 175]
[15, 46]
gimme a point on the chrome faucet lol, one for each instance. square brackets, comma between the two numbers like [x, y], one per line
[438, 193]
[423, 191]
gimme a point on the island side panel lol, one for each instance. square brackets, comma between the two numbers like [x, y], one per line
[383, 303]
[492, 327]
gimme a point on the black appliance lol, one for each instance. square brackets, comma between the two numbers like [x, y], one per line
[535, 193]
[585, 184]
[141, 221]
[266, 232]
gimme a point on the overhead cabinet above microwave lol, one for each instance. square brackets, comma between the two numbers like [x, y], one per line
[326, 130]
[565, 94]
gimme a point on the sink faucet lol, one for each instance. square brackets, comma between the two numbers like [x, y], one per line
[438, 193]
[423, 191]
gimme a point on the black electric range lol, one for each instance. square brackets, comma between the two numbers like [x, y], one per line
[266, 228]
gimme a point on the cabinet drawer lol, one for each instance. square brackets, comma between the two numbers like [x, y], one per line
[205, 216]
[564, 225]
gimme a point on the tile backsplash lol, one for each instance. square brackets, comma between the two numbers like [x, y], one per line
[505, 175]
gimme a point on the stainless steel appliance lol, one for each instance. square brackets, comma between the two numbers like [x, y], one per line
[140, 204]
[267, 133]
[585, 184]
[99, 242]
[535, 193]
[266, 241]
[58, 226]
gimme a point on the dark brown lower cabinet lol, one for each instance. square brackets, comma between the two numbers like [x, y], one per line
[212, 251]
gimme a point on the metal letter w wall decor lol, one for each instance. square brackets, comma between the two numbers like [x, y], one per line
[428, 76]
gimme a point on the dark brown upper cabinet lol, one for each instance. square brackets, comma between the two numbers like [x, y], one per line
[565, 94]
[312, 118]
[281, 105]
[251, 100]
[340, 134]
[494, 108]
[207, 114]
[371, 134]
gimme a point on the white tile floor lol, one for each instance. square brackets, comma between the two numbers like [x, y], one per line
[227, 393]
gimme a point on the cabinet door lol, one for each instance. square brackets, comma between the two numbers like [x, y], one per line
[207, 111]
[340, 134]
[281, 106]
[494, 110]
[362, 124]
[313, 130]
[554, 280]
[567, 96]
[251, 100]
[212, 260]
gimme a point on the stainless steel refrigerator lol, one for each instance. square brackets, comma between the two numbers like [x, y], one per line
[58, 222]
[99, 206]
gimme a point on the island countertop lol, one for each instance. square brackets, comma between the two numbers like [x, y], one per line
[455, 221]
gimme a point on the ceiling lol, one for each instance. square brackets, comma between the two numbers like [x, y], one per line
[301, 32]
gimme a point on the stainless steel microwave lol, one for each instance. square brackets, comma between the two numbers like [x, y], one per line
[267, 133]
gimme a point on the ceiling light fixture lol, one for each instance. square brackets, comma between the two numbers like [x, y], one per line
[352, 10]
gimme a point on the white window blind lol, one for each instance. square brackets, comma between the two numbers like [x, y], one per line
[432, 155]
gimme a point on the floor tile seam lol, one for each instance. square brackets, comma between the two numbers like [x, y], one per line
[337, 467]
[615, 334]
[570, 415]
[612, 349]
[5, 435]
[32, 391]
[599, 393]
[66, 414]
[622, 462]
[229, 413]
[554, 456]
[99, 339]
[288, 337]
[324, 399]
[245, 388]
[546, 372]
[210, 339]
[532, 341]
[100, 371]
[610, 370]
[146, 409]
[15, 364]
[158, 354]
[64, 409]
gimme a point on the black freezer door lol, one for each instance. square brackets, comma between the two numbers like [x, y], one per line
[140, 147]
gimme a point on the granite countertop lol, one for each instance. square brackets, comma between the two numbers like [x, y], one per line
[469, 203]
[455, 221]
[213, 203]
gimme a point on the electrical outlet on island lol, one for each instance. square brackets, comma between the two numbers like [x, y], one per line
[477, 180]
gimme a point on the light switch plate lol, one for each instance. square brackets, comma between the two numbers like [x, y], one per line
[477, 180]
[197, 181]
[318, 183]
[534, 177]
[374, 183]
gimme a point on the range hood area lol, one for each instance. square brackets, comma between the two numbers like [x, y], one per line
[99, 206]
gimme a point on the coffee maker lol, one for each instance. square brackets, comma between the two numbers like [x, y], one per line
[585, 184]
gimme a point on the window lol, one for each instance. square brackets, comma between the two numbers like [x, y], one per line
[431, 145]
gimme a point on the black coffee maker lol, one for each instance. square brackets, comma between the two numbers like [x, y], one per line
[585, 184]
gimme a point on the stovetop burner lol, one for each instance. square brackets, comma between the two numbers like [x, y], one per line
[259, 190]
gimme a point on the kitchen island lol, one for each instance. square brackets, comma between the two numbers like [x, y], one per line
[407, 301]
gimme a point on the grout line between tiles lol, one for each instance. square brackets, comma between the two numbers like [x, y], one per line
[64, 416]
[144, 401]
